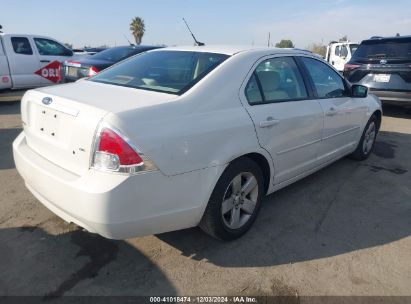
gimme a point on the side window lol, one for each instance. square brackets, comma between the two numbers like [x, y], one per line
[337, 51]
[279, 80]
[344, 51]
[327, 82]
[252, 92]
[21, 45]
[49, 47]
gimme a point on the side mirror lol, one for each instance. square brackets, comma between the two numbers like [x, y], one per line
[359, 91]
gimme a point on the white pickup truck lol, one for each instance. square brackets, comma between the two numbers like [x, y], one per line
[29, 61]
[339, 53]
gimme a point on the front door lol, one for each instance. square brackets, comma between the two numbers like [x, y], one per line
[287, 122]
[51, 54]
[342, 113]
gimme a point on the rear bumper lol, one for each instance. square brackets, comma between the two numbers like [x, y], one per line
[393, 97]
[116, 206]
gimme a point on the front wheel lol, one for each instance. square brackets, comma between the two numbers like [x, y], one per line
[235, 201]
[366, 144]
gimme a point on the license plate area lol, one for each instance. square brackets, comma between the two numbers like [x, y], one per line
[72, 71]
[382, 78]
[50, 124]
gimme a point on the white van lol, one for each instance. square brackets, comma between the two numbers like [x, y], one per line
[29, 61]
[339, 53]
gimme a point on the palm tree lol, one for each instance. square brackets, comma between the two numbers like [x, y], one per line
[137, 28]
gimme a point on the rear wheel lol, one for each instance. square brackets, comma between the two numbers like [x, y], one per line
[367, 141]
[235, 201]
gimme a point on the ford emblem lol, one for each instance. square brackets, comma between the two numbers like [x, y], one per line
[383, 61]
[47, 100]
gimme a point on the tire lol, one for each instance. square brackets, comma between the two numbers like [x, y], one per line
[367, 141]
[229, 215]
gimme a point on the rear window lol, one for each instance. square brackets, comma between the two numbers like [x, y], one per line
[21, 45]
[171, 72]
[400, 49]
[353, 48]
[116, 54]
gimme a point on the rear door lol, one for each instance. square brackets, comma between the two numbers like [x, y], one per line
[51, 54]
[343, 115]
[288, 123]
[23, 61]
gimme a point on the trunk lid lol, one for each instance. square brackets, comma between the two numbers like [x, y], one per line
[63, 131]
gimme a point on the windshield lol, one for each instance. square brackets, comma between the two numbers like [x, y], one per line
[164, 71]
[114, 54]
[384, 49]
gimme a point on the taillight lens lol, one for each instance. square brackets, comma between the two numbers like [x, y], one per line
[93, 71]
[113, 151]
[349, 67]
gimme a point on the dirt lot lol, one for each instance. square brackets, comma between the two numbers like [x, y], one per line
[345, 230]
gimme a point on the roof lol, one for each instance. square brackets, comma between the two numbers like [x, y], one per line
[392, 38]
[231, 49]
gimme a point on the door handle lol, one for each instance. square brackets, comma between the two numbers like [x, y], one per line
[331, 112]
[45, 61]
[270, 122]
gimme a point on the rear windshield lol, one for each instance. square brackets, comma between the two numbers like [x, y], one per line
[115, 54]
[400, 49]
[164, 71]
[353, 48]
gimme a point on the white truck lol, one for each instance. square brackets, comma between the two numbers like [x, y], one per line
[29, 61]
[339, 53]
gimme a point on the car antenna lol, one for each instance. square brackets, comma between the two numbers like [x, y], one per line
[131, 44]
[197, 43]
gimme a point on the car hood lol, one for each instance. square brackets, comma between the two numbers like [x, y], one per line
[111, 98]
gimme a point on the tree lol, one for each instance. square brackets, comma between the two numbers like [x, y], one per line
[318, 48]
[284, 43]
[137, 29]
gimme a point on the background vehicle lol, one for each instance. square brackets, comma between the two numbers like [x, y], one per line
[91, 65]
[188, 136]
[29, 61]
[88, 51]
[339, 53]
[384, 66]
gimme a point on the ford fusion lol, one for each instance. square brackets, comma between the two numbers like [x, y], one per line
[192, 136]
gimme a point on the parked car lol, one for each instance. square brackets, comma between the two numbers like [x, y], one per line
[88, 51]
[91, 65]
[339, 53]
[384, 66]
[29, 61]
[180, 137]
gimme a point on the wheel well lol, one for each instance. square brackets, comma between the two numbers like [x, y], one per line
[262, 162]
[378, 114]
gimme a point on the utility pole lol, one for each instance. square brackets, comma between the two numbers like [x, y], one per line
[269, 39]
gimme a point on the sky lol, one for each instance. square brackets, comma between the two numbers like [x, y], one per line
[102, 22]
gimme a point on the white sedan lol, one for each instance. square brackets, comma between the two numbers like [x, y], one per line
[180, 137]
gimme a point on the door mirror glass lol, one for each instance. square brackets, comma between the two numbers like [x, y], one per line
[359, 91]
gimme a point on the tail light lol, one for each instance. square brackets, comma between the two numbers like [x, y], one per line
[114, 152]
[349, 67]
[93, 71]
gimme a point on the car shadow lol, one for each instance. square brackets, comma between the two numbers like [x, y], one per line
[34, 262]
[345, 207]
[7, 137]
[396, 111]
